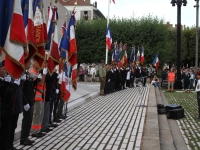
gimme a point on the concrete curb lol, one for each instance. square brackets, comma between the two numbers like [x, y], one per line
[151, 138]
[71, 105]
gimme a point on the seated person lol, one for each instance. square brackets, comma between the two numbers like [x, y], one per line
[155, 82]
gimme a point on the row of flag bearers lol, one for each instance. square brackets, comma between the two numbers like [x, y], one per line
[30, 79]
[37, 94]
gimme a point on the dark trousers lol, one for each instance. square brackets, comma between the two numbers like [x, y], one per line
[5, 132]
[123, 83]
[198, 101]
[127, 83]
[144, 81]
[132, 81]
[60, 107]
[26, 123]
[45, 120]
[51, 107]
[55, 107]
[12, 128]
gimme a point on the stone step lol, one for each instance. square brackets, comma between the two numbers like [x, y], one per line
[177, 137]
[166, 140]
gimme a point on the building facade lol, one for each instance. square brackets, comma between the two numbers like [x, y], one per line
[84, 9]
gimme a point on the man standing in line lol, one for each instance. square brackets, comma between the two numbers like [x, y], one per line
[28, 92]
[7, 99]
[102, 77]
[40, 88]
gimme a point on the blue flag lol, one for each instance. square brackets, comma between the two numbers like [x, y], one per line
[6, 11]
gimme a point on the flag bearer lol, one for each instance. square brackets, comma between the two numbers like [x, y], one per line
[102, 77]
[198, 93]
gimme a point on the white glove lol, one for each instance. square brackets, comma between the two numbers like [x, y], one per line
[47, 52]
[57, 91]
[26, 107]
[59, 76]
[17, 81]
[109, 80]
[45, 71]
[39, 76]
[23, 77]
[8, 79]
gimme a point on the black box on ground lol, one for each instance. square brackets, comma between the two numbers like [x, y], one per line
[175, 113]
[172, 106]
[161, 110]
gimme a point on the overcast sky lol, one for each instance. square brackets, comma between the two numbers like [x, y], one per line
[160, 8]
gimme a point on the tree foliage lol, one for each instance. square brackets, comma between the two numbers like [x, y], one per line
[148, 31]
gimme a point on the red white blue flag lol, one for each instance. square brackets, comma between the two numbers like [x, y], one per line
[68, 44]
[156, 62]
[108, 38]
[138, 56]
[12, 39]
[142, 56]
[27, 11]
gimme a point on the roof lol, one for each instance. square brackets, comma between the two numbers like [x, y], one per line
[71, 3]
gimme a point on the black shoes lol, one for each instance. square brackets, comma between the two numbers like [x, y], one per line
[46, 130]
[61, 117]
[38, 135]
[56, 120]
[53, 125]
[26, 142]
[31, 141]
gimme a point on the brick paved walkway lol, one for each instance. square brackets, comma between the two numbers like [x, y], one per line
[115, 121]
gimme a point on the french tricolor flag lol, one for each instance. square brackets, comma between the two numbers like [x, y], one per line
[108, 38]
[30, 33]
[142, 56]
[55, 54]
[156, 62]
[13, 39]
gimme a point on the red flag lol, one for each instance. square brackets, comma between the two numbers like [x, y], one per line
[74, 77]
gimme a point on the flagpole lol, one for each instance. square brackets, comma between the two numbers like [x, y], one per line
[108, 17]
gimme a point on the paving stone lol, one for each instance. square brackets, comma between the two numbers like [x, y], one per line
[104, 120]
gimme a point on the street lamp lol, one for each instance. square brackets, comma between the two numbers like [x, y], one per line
[178, 40]
[197, 34]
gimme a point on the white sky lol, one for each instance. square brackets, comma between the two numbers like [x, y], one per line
[161, 8]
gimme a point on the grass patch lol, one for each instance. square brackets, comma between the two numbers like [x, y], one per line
[189, 125]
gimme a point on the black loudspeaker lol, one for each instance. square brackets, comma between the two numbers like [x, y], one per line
[172, 106]
[161, 110]
[175, 113]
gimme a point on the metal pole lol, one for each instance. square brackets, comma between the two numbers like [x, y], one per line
[108, 18]
[197, 35]
[178, 60]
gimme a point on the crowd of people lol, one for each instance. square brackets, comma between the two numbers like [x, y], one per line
[36, 93]
[114, 78]
[188, 78]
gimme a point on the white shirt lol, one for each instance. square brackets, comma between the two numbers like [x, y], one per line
[198, 86]
[93, 70]
[128, 75]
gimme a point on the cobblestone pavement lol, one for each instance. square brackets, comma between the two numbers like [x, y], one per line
[115, 121]
[189, 126]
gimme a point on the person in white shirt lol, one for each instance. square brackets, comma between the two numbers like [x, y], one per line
[198, 93]
[191, 80]
[93, 73]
